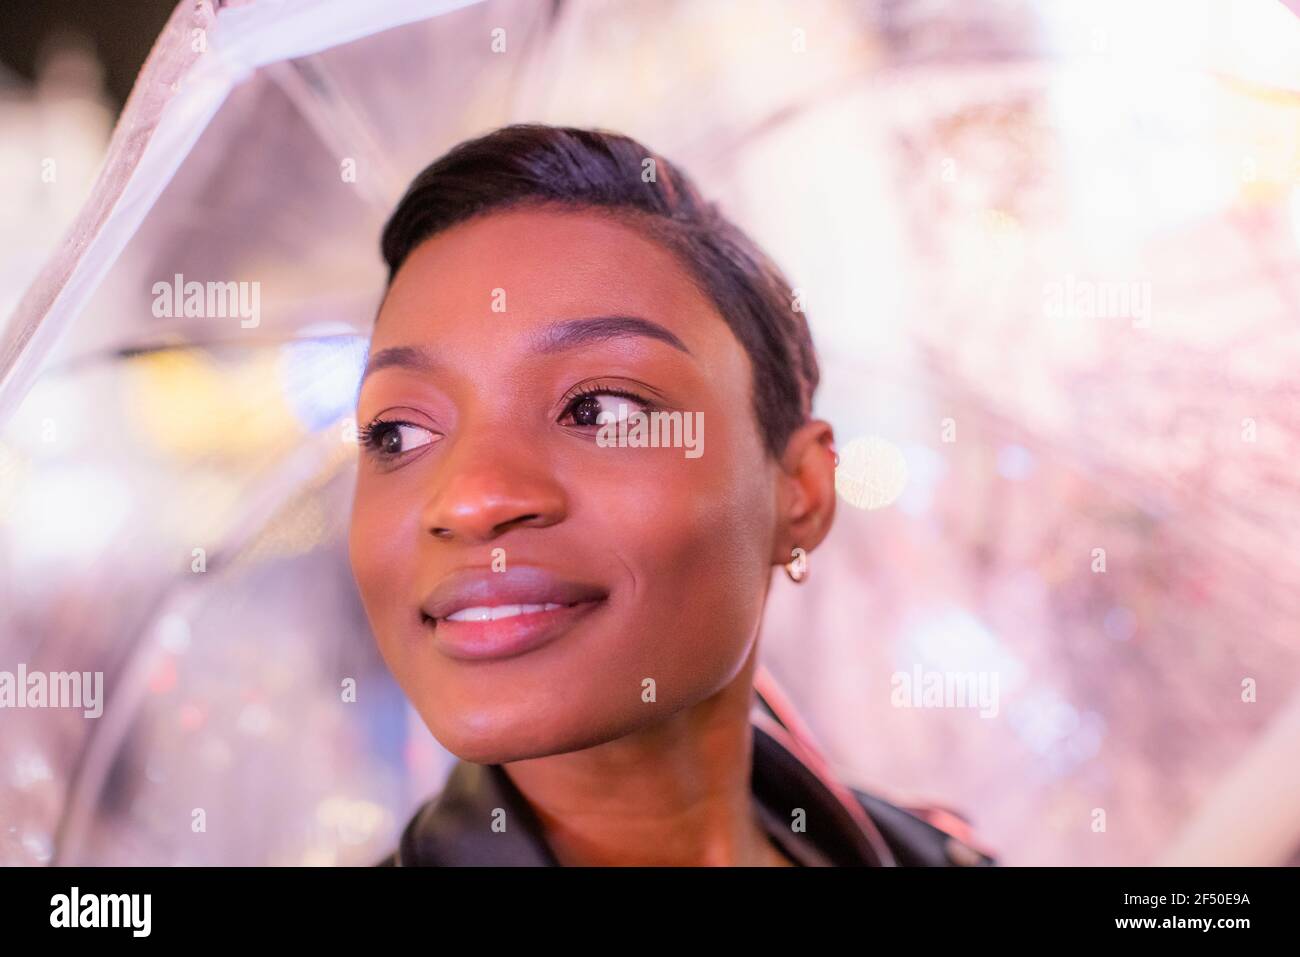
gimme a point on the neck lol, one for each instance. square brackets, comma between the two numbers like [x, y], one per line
[678, 793]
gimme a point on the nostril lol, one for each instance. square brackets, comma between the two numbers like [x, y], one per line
[519, 520]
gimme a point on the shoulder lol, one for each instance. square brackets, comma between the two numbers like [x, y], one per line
[917, 835]
[403, 852]
[925, 836]
[407, 850]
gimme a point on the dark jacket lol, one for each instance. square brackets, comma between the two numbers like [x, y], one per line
[845, 826]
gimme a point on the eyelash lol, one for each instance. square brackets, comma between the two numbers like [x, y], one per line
[584, 392]
[371, 436]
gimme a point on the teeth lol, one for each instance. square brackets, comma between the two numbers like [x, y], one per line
[486, 613]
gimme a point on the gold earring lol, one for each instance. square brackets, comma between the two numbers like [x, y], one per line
[797, 567]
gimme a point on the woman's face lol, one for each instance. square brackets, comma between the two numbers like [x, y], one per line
[500, 342]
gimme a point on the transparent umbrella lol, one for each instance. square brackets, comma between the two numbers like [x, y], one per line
[1049, 260]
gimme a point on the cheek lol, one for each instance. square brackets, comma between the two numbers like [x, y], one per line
[688, 527]
[694, 537]
[712, 514]
[379, 549]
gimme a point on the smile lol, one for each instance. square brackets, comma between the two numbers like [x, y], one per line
[494, 632]
[494, 613]
[476, 615]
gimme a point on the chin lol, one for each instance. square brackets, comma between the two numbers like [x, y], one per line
[489, 737]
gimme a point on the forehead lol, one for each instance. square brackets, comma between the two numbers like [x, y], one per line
[494, 279]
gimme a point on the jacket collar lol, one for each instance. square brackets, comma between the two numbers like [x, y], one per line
[481, 819]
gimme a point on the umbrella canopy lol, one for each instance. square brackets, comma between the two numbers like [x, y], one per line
[1049, 259]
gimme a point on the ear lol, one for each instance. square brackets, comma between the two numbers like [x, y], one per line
[806, 492]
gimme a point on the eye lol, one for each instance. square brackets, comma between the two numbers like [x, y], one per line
[388, 439]
[592, 408]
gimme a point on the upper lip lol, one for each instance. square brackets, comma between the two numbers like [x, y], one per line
[517, 585]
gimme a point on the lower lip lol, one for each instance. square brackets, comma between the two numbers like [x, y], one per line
[506, 637]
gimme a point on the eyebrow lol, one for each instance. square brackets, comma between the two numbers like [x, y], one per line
[557, 337]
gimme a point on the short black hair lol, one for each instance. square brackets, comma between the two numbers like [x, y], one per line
[533, 164]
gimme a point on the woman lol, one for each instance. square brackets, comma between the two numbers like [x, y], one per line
[586, 442]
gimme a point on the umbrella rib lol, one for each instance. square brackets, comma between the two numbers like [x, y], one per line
[319, 458]
[338, 126]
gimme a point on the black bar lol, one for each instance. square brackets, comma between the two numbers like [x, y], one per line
[331, 907]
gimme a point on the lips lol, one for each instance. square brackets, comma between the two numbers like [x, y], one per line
[520, 585]
[477, 613]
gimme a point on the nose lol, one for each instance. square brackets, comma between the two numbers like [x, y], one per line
[485, 487]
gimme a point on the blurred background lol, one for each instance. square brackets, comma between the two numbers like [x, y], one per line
[1050, 253]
